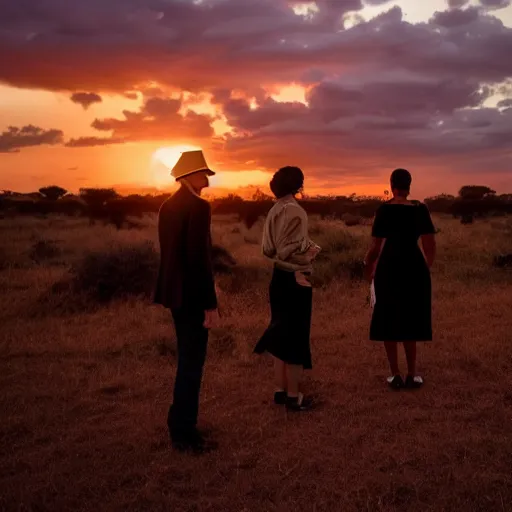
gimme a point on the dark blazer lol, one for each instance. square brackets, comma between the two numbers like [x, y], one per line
[185, 278]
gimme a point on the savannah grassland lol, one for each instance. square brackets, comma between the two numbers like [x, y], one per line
[85, 386]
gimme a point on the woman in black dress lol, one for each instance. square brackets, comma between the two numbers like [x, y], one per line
[401, 277]
[287, 244]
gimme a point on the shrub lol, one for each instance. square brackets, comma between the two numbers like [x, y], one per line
[44, 250]
[351, 220]
[223, 261]
[53, 193]
[503, 261]
[123, 272]
[315, 229]
[348, 266]
[341, 256]
[97, 197]
[334, 240]
[354, 267]
[119, 273]
[243, 278]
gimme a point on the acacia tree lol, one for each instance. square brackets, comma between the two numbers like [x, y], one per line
[474, 200]
[53, 192]
[98, 197]
[259, 195]
[475, 192]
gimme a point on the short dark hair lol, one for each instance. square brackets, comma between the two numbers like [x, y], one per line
[401, 179]
[287, 180]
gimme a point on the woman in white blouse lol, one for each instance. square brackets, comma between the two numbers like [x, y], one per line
[287, 244]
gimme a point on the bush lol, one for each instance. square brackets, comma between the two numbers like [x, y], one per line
[351, 220]
[503, 261]
[44, 250]
[122, 272]
[334, 240]
[341, 256]
[223, 261]
[348, 266]
[53, 193]
[467, 219]
[243, 278]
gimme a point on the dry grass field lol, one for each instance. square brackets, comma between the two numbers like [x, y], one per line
[87, 369]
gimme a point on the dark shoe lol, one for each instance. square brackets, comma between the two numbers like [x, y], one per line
[413, 382]
[395, 382]
[280, 397]
[300, 403]
[193, 442]
[186, 446]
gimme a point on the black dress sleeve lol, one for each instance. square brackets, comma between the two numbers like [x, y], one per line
[380, 224]
[425, 224]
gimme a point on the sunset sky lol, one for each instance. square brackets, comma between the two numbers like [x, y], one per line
[106, 92]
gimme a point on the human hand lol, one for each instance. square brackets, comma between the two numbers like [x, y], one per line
[302, 279]
[313, 251]
[369, 272]
[211, 318]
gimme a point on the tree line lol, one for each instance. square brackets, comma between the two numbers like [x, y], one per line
[105, 204]
[472, 201]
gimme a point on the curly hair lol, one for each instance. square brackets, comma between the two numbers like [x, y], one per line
[287, 180]
[401, 179]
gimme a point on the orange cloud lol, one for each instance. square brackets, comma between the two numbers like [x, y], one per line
[158, 119]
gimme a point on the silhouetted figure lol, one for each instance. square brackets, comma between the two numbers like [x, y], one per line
[401, 277]
[186, 286]
[286, 242]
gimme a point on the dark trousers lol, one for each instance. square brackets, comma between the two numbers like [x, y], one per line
[192, 343]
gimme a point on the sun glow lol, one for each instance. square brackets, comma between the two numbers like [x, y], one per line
[306, 9]
[163, 160]
[290, 93]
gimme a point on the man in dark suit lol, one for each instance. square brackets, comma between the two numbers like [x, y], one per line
[186, 286]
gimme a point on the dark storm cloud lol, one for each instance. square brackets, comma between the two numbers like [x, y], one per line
[86, 99]
[13, 139]
[84, 142]
[116, 45]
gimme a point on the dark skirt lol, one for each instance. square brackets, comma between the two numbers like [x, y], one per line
[287, 336]
[403, 307]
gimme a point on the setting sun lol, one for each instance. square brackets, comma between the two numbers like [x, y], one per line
[163, 161]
